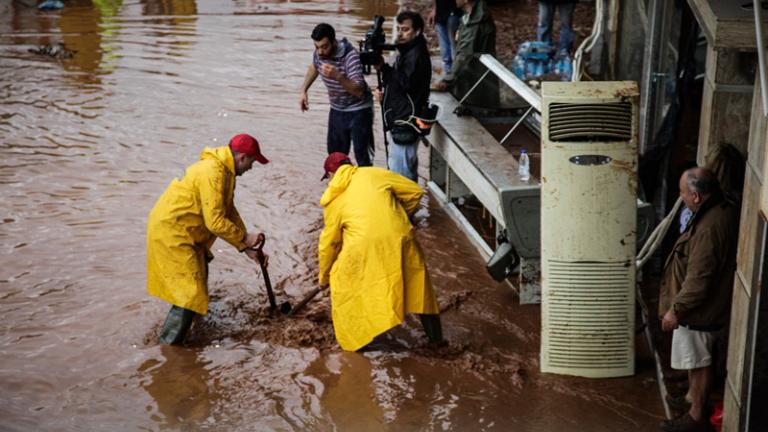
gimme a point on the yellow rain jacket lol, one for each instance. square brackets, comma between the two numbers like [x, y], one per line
[369, 254]
[183, 225]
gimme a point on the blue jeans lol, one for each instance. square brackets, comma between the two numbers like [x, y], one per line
[446, 36]
[355, 127]
[547, 16]
[403, 158]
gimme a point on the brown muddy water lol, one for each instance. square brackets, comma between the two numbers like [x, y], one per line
[89, 143]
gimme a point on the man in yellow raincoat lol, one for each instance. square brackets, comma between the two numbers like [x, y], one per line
[369, 254]
[188, 217]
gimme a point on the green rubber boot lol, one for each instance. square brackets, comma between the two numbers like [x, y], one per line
[432, 327]
[176, 325]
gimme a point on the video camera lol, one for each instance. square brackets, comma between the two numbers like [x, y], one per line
[373, 45]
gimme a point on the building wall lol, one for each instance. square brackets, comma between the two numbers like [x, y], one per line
[728, 93]
[746, 285]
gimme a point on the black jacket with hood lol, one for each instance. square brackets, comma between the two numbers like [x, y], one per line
[406, 85]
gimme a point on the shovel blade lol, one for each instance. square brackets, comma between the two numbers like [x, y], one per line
[285, 308]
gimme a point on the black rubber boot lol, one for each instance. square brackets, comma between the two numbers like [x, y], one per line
[176, 325]
[432, 327]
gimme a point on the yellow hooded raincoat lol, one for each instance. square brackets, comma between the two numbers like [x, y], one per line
[183, 225]
[369, 254]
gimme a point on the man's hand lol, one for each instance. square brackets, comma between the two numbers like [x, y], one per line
[253, 243]
[330, 71]
[309, 78]
[378, 94]
[253, 240]
[254, 255]
[440, 86]
[431, 17]
[379, 64]
[355, 89]
[669, 322]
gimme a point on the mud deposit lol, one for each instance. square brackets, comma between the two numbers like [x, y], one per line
[88, 143]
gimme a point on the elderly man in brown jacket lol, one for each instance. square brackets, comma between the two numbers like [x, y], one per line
[696, 289]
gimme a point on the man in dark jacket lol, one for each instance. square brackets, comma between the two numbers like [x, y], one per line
[477, 35]
[406, 94]
[696, 290]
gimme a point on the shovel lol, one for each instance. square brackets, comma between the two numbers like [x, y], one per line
[310, 295]
[285, 307]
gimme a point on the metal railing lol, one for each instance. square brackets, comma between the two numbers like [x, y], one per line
[516, 84]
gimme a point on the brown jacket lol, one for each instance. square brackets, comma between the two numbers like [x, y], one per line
[698, 274]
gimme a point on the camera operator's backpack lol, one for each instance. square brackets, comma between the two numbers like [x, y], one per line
[427, 119]
[415, 127]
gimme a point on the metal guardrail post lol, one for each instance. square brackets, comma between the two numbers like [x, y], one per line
[510, 79]
[474, 87]
[512, 129]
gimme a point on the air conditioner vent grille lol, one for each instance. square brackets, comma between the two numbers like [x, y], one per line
[588, 324]
[590, 122]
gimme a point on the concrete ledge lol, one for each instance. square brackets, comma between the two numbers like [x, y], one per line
[471, 161]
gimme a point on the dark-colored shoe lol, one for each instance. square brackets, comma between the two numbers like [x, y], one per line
[678, 404]
[176, 325]
[432, 327]
[685, 423]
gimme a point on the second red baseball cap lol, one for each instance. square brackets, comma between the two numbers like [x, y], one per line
[333, 162]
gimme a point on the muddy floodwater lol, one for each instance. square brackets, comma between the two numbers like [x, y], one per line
[88, 143]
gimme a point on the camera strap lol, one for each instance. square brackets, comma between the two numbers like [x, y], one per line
[423, 123]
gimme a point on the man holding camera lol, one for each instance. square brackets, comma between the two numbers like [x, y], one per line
[405, 94]
[351, 116]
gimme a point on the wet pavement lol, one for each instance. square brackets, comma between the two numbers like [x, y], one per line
[88, 143]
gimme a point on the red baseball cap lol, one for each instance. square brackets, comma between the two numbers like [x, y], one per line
[333, 162]
[247, 144]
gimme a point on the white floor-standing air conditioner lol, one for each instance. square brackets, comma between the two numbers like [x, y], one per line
[588, 227]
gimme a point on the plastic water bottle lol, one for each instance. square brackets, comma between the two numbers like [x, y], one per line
[518, 67]
[530, 69]
[524, 168]
[567, 69]
[554, 66]
[51, 5]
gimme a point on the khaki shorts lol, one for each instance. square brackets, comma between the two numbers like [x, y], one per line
[691, 349]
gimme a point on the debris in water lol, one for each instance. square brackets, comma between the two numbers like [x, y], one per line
[57, 51]
[455, 300]
[51, 5]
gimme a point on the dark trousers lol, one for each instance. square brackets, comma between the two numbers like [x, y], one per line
[355, 127]
[432, 327]
[176, 325]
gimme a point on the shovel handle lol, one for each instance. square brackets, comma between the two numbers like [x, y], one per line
[268, 284]
[307, 298]
[260, 255]
[261, 239]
